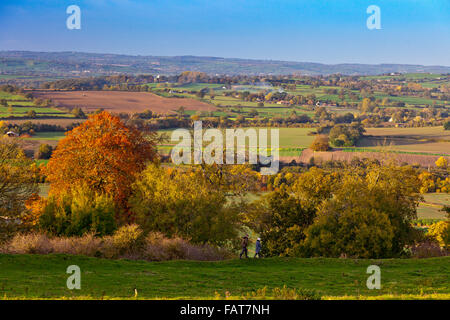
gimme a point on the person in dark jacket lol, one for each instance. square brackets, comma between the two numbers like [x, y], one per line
[258, 248]
[244, 247]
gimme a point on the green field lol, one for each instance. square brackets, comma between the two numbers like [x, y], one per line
[426, 80]
[44, 276]
[10, 96]
[292, 140]
[19, 106]
[54, 135]
[41, 112]
[420, 141]
[268, 110]
[289, 137]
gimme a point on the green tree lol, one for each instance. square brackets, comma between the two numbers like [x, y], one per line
[369, 214]
[343, 135]
[186, 204]
[31, 114]
[320, 143]
[447, 125]
[44, 151]
[282, 222]
[78, 113]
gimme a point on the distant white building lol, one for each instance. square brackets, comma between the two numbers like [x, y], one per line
[11, 134]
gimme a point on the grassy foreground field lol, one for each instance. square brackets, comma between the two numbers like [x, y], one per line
[44, 276]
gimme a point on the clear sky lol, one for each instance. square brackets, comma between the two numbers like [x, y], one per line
[327, 31]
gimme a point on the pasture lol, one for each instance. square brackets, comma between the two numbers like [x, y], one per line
[21, 111]
[412, 145]
[47, 136]
[268, 110]
[292, 140]
[44, 277]
[31, 144]
[289, 137]
[18, 107]
[10, 96]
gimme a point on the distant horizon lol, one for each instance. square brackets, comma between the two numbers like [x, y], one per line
[231, 58]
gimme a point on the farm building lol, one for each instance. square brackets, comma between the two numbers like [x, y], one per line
[11, 134]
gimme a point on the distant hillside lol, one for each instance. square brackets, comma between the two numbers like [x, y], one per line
[72, 64]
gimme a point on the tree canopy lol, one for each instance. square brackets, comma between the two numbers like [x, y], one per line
[102, 153]
[17, 184]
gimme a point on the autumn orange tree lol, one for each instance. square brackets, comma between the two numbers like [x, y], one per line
[102, 154]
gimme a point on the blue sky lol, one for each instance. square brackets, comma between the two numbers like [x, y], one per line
[327, 31]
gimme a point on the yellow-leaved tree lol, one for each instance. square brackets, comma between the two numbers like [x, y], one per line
[17, 185]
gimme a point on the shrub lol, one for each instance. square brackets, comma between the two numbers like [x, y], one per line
[127, 242]
[127, 237]
[78, 212]
[31, 114]
[427, 248]
[284, 293]
[441, 162]
[159, 248]
[44, 152]
[88, 245]
[440, 232]
[358, 232]
[447, 125]
[33, 243]
[78, 113]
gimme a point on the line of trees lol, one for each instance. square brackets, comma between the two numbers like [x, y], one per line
[105, 174]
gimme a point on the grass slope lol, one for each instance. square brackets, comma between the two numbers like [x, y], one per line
[44, 276]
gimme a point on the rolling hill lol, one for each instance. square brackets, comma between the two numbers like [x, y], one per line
[72, 64]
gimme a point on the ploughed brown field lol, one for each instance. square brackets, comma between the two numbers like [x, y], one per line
[398, 158]
[121, 101]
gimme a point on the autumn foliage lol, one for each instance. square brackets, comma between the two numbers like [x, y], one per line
[103, 154]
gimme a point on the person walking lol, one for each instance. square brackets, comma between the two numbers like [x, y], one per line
[258, 248]
[244, 246]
